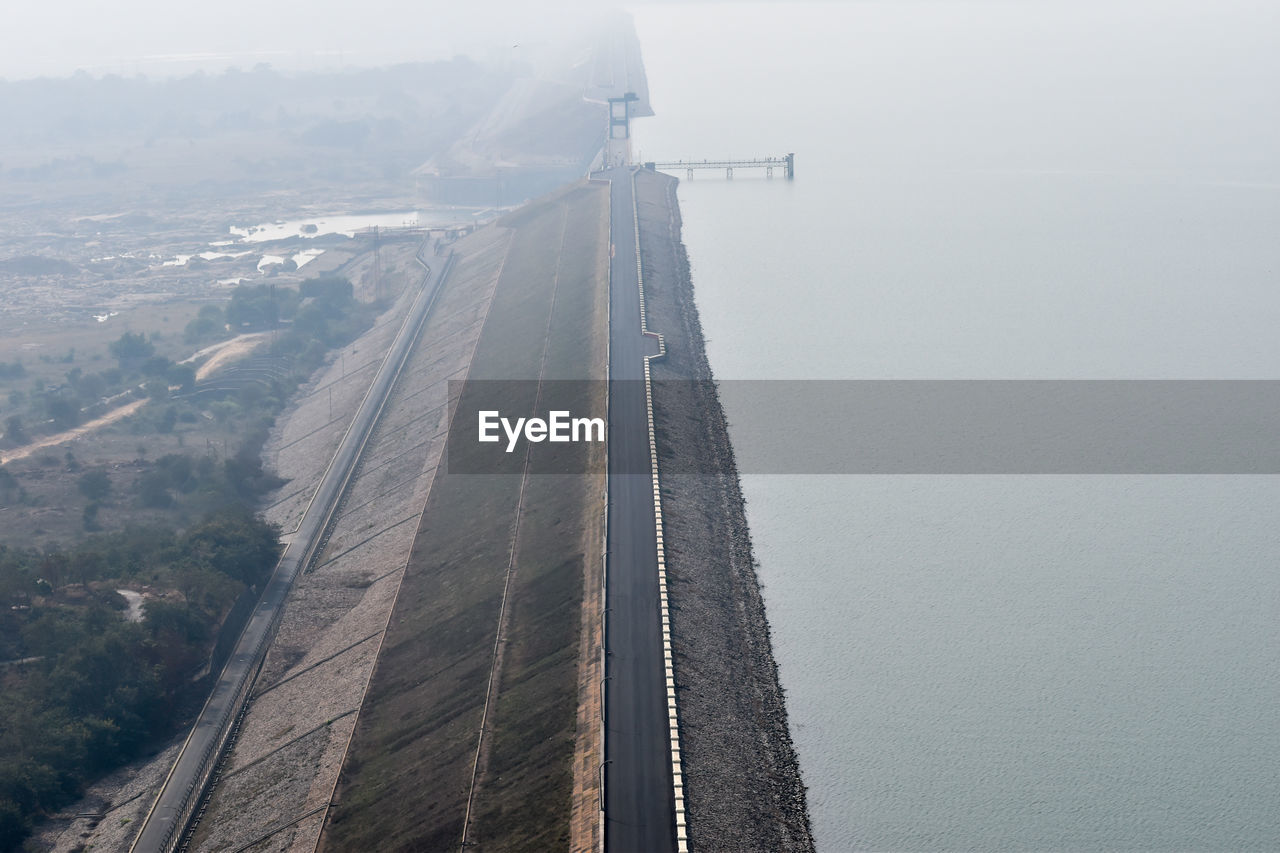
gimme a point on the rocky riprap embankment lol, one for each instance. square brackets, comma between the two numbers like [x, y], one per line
[742, 779]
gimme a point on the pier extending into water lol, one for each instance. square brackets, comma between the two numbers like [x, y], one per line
[787, 163]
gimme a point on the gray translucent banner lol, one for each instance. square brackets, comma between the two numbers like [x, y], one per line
[912, 426]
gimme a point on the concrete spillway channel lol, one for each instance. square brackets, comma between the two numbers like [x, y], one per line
[166, 822]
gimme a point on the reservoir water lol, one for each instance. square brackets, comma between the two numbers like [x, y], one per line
[994, 190]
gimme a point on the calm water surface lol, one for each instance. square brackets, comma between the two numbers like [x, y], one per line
[1001, 190]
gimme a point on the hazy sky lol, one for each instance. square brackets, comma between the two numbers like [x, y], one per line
[178, 36]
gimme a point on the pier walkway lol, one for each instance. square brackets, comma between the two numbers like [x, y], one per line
[787, 163]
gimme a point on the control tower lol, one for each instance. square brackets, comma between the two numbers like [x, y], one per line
[617, 151]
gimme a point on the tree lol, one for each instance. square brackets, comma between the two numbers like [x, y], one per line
[312, 323]
[331, 290]
[104, 687]
[91, 387]
[168, 420]
[210, 323]
[156, 365]
[223, 410]
[183, 375]
[12, 827]
[236, 544]
[153, 490]
[132, 348]
[8, 484]
[94, 485]
[64, 412]
[253, 307]
[178, 468]
[14, 430]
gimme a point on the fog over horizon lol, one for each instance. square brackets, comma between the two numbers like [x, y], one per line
[159, 38]
[163, 39]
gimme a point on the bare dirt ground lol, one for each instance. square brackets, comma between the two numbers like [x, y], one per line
[225, 351]
[70, 435]
[218, 354]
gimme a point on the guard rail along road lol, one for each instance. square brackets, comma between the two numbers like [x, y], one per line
[673, 719]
